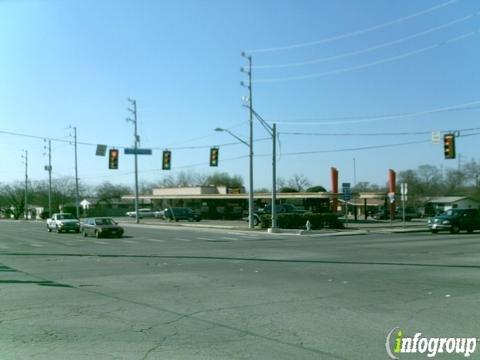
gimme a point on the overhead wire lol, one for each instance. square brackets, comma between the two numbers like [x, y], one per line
[369, 64]
[473, 105]
[371, 147]
[368, 49]
[404, 133]
[354, 33]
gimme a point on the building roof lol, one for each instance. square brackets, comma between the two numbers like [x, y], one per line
[446, 199]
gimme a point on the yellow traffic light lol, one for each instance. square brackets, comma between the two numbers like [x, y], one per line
[113, 159]
[167, 159]
[214, 156]
[449, 146]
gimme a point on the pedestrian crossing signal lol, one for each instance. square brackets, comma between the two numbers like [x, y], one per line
[167, 160]
[113, 159]
[214, 156]
[449, 146]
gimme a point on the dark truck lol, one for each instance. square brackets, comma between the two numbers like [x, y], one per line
[455, 220]
[281, 209]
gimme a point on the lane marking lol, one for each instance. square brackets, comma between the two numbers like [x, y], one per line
[100, 242]
[178, 239]
[129, 242]
[155, 240]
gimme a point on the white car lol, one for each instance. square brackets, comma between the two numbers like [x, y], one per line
[63, 222]
[145, 213]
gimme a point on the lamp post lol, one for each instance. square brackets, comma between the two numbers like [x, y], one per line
[272, 130]
[250, 195]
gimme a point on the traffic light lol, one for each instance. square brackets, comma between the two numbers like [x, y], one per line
[113, 159]
[214, 156]
[449, 145]
[167, 159]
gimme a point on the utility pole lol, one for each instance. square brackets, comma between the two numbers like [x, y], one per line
[274, 177]
[49, 169]
[250, 105]
[77, 200]
[26, 185]
[354, 172]
[136, 140]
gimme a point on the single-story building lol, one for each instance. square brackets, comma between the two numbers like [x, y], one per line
[438, 204]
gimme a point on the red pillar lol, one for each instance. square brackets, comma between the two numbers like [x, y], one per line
[334, 176]
[391, 189]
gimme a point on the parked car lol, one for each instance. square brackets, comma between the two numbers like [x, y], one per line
[409, 214]
[280, 208]
[63, 222]
[181, 213]
[455, 220]
[101, 227]
[146, 212]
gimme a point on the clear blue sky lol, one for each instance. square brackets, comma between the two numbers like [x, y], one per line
[75, 62]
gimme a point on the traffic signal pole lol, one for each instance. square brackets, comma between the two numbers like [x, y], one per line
[135, 135]
[77, 200]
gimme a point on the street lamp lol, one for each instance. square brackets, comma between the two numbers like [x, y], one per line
[272, 130]
[250, 190]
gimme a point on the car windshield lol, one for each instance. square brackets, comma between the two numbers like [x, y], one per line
[106, 221]
[65, 217]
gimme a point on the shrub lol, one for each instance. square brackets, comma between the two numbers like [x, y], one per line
[298, 221]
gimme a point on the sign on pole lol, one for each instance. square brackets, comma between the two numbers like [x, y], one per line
[138, 151]
[101, 150]
[346, 191]
[436, 137]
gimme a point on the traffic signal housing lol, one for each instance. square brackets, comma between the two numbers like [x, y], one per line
[167, 160]
[113, 159]
[449, 146]
[214, 156]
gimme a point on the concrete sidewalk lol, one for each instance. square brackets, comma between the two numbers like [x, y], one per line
[353, 228]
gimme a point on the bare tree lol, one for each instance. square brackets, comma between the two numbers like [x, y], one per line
[299, 182]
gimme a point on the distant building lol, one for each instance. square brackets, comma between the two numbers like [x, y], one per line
[222, 202]
[438, 204]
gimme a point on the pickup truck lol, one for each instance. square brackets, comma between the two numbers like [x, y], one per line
[455, 220]
[63, 222]
[281, 209]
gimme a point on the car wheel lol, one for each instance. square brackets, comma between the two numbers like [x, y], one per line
[455, 229]
[97, 234]
[58, 229]
[48, 229]
[434, 231]
[255, 221]
[85, 233]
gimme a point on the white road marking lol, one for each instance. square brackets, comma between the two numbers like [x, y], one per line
[178, 239]
[129, 242]
[202, 238]
[37, 245]
[100, 242]
[155, 240]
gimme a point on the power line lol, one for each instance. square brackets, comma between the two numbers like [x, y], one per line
[405, 133]
[360, 148]
[369, 49]
[362, 119]
[370, 64]
[69, 142]
[354, 33]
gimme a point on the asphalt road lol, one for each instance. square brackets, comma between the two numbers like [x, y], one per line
[180, 293]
